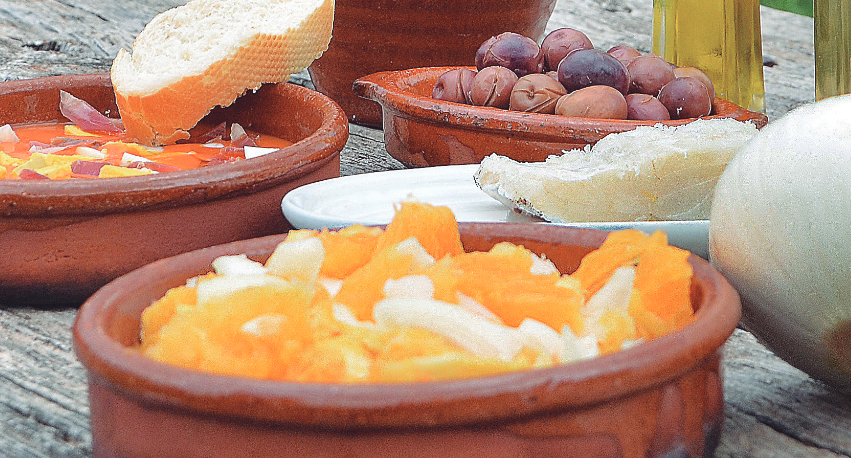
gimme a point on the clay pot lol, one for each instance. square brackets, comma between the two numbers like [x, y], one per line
[660, 398]
[375, 35]
[62, 240]
[421, 131]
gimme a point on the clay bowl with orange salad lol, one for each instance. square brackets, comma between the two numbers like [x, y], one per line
[421, 338]
[80, 207]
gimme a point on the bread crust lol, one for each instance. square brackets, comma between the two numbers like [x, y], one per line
[166, 115]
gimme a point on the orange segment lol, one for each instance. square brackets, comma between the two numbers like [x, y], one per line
[434, 227]
[348, 249]
[620, 249]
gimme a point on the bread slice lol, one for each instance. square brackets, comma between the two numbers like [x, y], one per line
[650, 173]
[207, 53]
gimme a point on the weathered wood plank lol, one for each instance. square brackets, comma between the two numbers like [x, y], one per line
[773, 410]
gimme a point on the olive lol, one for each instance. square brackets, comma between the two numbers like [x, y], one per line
[696, 73]
[513, 51]
[645, 107]
[598, 101]
[624, 53]
[454, 86]
[536, 93]
[492, 87]
[686, 97]
[561, 42]
[590, 67]
[648, 73]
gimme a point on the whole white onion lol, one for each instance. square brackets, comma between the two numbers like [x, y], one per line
[780, 231]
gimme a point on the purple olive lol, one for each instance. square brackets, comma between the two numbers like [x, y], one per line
[590, 67]
[513, 51]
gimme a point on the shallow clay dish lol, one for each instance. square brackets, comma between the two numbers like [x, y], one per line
[377, 35]
[660, 398]
[421, 131]
[62, 240]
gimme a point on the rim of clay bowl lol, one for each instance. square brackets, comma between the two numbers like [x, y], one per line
[116, 308]
[408, 93]
[94, 196]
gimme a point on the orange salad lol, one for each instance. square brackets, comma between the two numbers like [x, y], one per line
[407, 304]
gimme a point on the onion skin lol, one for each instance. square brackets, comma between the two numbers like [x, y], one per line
[780, 231]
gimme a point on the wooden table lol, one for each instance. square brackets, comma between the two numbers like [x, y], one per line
[773, 410]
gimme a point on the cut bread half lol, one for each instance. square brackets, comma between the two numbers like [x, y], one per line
[647, 174]
[207, 53]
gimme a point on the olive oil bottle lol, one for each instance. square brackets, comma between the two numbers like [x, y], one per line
[832, 22]
[721, 37]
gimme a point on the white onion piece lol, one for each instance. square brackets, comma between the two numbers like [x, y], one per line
[300, 258]
[614, 295]
[344, 315]
[223, 286]
[332, 285]
[128, 158]
[8, 135]
[543, 338]
[412, 247]
[542, 266]
[471, 305]
[416, 286]
[89, 152]
[578, 347]
[475, 334]
[85, 116]
[264, 325]
[237, 265]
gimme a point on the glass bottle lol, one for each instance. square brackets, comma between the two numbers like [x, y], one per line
[721, 37]
[832, 22]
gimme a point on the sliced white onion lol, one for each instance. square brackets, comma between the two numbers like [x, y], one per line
[8, 135]
[128, 158]
[264, 325]
[471, 305]
[300, 258]
[223, 286]
[542, 266]
[416, 286]
[543, 338]
[89, 152]
[237, 265]
[576, 347]
[412, 247]
[472, 332]
[344, 314]
[614, 295]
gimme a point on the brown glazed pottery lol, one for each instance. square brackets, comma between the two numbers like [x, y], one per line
[64, 239]
[375, 35]
[420, 131]
[662, 398]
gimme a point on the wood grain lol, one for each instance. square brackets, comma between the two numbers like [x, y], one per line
[773, 410]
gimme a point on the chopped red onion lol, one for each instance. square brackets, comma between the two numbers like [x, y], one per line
[85, 116]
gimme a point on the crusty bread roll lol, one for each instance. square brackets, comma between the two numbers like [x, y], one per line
[650, 173]
[207, 53]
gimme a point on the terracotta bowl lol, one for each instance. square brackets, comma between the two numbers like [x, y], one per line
[375, 35]
[63, 240]
[420, 131]
[660, 398]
